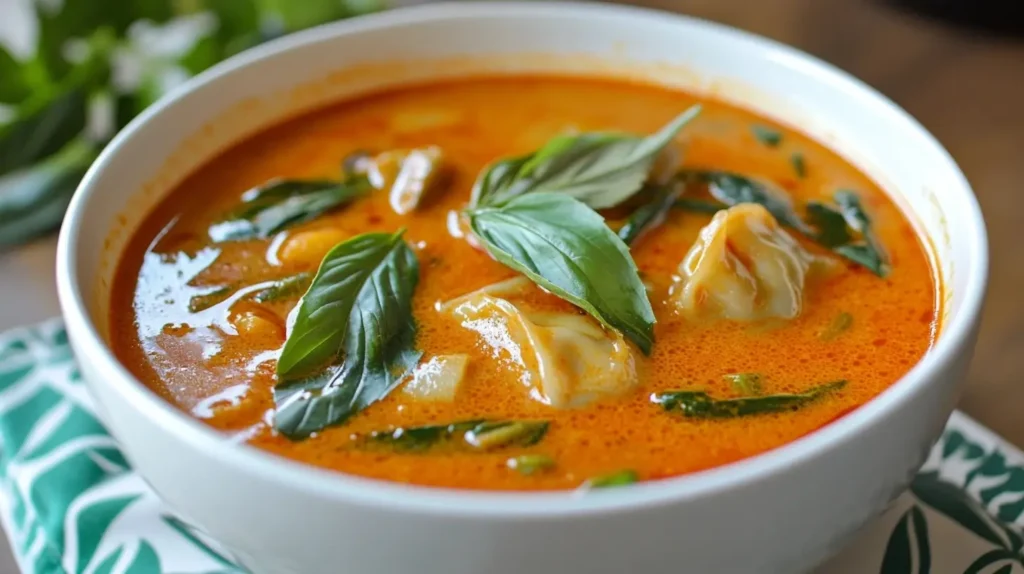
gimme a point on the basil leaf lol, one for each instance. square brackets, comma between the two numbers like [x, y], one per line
[33, 199]
[14, 86]
[651, 214]
[283, 288]
[838, 326]
[620, 478]
[283, 203]
[796, 159]
[495, 185]
[830, 225]
[699, 205]
[734, 189]
[472, 436]
[36, 134]
[747, 384]
[770, 137]
[419, 439]
[832, 232]
[698, 404]
[203, 301]
[357, 311]
[566, 248]
[601, 170]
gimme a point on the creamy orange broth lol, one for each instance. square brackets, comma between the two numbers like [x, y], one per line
[226, 379]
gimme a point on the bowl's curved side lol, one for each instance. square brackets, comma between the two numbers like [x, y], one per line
[789, 507]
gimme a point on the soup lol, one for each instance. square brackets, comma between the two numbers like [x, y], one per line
[524, 283]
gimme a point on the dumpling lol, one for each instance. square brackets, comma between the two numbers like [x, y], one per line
[566, 359]
[743, 267]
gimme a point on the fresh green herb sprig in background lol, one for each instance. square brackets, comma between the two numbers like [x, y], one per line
[95, 66]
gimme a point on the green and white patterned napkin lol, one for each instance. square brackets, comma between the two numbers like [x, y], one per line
[70, 503]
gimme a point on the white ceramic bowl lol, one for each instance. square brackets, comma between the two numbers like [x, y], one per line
[783, 511]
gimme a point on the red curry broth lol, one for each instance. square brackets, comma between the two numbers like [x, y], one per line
[196, 362]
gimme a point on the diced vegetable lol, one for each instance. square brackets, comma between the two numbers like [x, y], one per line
[528, 464]
[620, 478]
[408, 176]
[438, 379]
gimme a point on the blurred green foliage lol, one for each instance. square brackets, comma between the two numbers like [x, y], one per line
[96, 65]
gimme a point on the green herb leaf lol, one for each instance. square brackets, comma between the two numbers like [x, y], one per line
[601, 170]
[284, 288]
[33, 199]
[357, 311]
[651, 214]
[699, 205]
[467, 436]
[620, 478]
[566, 248]
[14, 86]
[838, 326]
[733, 189]
[830, 225]
[279, 204]
[36, 134]
[746, 384]
[528, 464]
[868, 253]
[290, 286]
[419, 439]
[833, 231]
[496, 434]
[698, 404]
[766, 135]
[203, 301]
[798, 163]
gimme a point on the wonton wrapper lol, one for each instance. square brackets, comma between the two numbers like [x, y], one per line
[743, 267]
[567, 359]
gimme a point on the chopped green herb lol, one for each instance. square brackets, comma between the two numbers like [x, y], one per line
[734, 189]
[838, 326]
[282, 203]
[766, 135]
[284, 288]
[204, 301]
[651, 214]
[832, 230]
[699, 205]
[746, 384]
[470, 435]
[868, 253]
[698, 404]
[415, 439]
[496, 434]
[799, 166]
[528, 464]
[620, 478]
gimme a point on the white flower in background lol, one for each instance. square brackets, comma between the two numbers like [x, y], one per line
[147, 62]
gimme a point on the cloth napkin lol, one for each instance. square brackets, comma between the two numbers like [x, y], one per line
[71, 504]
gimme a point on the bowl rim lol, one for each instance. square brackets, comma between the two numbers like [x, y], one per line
[353, 489]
